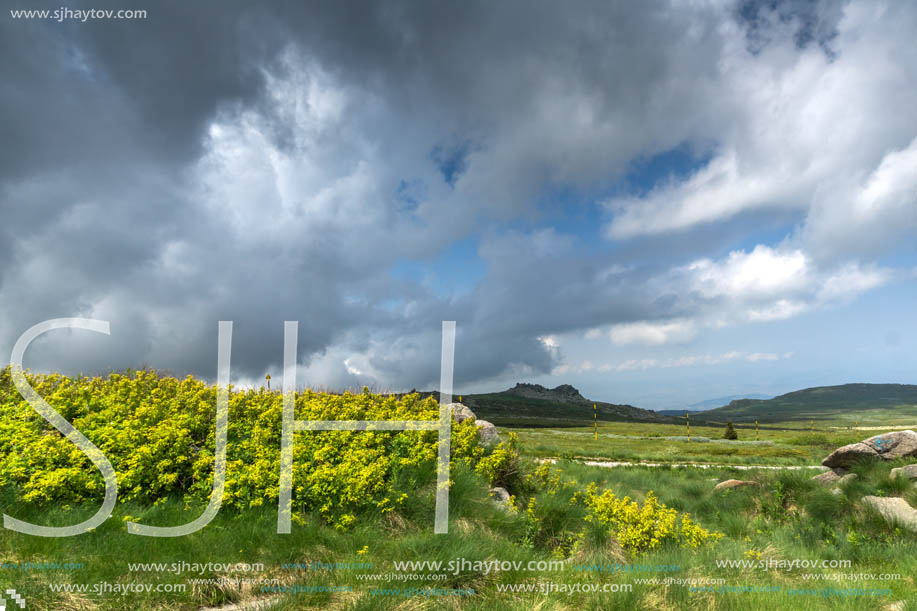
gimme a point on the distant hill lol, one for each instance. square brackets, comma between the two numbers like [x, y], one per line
[819, 402]
[533, 405]
[702, 406]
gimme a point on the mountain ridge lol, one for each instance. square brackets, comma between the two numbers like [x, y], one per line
[818, 401]
[534, 405]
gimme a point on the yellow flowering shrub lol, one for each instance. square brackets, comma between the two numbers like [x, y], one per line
[159, 434]
[547, 478]
[752, 554]
[502, 464]
[641, 528]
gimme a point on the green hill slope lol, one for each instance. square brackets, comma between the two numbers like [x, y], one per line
[848, 401]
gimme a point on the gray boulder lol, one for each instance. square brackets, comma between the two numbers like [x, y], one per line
[830, 477]
[909, 472]
[501, 496]
[895, 510]
[835, 477]
[460, 412]
[487, 432]
[849, 454]
[887, 446]
[733, 483]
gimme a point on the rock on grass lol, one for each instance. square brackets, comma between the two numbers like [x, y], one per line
[908, 472]
[887, 446]
[894, 509]
[733, 483]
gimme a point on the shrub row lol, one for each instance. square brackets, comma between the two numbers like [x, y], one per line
[159, 434]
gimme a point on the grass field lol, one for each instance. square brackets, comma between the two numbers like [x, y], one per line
[789, 517]
[784, 517]
[669, 443]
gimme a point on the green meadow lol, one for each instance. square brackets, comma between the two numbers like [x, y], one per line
[789, 517]
[633, 442]
[782, 542]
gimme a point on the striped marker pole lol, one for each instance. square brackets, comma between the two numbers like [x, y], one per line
[595, 423]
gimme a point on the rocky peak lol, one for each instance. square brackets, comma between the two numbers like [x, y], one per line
[564, 393]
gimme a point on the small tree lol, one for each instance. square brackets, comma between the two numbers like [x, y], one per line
[730, 431]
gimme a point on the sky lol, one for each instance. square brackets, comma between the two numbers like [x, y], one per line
[657, 202]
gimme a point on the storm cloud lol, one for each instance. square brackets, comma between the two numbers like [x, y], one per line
[647, 171]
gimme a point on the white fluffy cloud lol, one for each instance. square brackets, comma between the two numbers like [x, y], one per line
[865, 214]
[744, 287]
[763, 272]
[771, 284]
[652, 334]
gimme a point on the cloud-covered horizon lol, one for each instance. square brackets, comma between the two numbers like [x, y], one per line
[596, 192]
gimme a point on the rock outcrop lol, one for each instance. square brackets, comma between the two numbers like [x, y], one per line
[562, 394]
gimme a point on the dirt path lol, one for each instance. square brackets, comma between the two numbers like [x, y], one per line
[879, 428]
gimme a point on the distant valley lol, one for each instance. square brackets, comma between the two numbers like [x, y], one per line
[702, 406]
